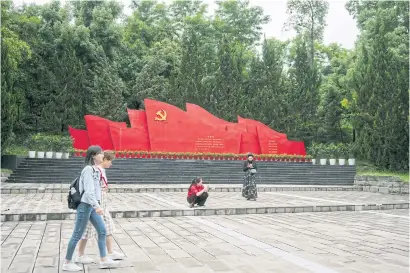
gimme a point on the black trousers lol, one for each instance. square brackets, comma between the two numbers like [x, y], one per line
[200, 200]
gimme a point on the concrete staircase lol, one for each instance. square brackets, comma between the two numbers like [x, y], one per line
[175, 171]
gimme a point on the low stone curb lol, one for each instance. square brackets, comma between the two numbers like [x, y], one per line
[181, 189]
[402, 189]
[387, 190]
[206, 212]
[382, 184]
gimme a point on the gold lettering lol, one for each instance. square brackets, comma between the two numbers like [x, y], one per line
[204, 144]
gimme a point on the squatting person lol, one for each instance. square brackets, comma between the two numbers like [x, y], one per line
[197, 193]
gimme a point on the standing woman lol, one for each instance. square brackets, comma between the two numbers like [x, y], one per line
[109, 223]
[249, 190]
[89, 210]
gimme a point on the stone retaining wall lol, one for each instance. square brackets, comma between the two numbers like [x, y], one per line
[4, 176]
[382, 184]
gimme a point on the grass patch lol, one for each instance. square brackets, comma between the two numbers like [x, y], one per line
[6, 171]
[364, 168]
[403, 175]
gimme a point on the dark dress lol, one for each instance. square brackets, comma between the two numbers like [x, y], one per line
[249, 190]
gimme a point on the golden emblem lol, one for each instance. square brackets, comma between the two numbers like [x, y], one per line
[161, 115]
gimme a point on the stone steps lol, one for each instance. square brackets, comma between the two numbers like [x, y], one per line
[187, 180]
[133, 170]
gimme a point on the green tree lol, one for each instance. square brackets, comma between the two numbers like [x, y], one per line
[267, 87]
[307, 17]
[237, 20]
[303, 98]
[380, 80]
[335, 95]
[13, 52]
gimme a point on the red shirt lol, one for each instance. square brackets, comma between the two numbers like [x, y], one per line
[195, 189]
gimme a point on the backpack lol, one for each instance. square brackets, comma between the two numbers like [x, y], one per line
[74, 196]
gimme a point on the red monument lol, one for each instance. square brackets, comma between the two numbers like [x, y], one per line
[166, 128]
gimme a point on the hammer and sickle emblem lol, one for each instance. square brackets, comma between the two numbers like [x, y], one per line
[161, 115]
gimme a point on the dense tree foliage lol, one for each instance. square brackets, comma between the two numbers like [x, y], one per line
[62, 61]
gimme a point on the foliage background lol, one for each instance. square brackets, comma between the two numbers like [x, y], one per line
[62, 61]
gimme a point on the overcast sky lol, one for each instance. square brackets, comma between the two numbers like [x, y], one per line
[341, 27]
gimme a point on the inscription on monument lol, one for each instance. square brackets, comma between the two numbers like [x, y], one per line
[205, 143]
[273, 147]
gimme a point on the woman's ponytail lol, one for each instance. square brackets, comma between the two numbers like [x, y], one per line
[192, 183]
[195, 181]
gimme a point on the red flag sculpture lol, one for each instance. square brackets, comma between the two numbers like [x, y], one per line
[166, 128]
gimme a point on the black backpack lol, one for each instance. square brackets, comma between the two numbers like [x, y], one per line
[74, 195]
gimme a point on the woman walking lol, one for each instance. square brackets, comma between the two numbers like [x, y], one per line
[197, 193]
[109, 223]
[89, 210]
[249, 190]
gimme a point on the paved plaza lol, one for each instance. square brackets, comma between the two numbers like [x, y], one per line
[295, 229]
[366, 241]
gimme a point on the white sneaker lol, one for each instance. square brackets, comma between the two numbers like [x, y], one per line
[84, 260]
[109, 263]
[116, 256]
[71, 267]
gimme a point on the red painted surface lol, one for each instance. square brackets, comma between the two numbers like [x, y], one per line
[138, 120]
[272, 142]
[249, 139]
[129, 139]
[80, 137]
[250, 143]
[173, 130]
[166, 128]
[99, 131]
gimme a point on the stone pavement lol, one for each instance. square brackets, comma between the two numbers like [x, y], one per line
[53, 206]
[334, 242]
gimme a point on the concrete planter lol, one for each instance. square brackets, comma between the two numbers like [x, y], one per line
[323, 161]
[342, 161]
[66, 155]
[352, 161]
[49, 154]
[332, 161]
[31, 154]
[59, 155]
[40, 154]
[314, 161]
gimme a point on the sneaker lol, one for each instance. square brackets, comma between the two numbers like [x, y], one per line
[116, 256]
[109, 263]
[84, 260]
[71, 267]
